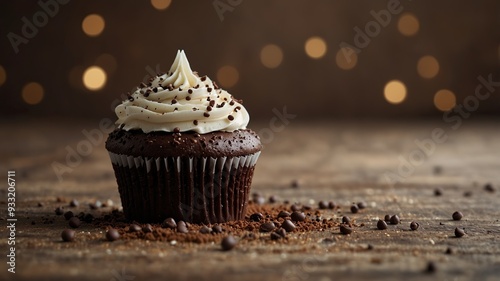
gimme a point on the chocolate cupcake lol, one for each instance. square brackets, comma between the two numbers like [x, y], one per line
[182, 150]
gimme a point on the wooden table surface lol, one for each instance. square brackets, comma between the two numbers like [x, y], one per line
[341, 161]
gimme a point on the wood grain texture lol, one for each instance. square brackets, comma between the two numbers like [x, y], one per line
[345, 162]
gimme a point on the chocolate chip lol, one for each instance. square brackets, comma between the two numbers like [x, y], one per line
[387, 218]
[177, 130]
[230, 117]
[438, 192]
[40, 204]
[74, 203]
[361, 205]
[298, 216]
[68, 215]
[323, 205]
[259, 200]
[489, 187]
[134, 228]
[369, 247]
[147, 228]
[169, 223]
[88, 218]
[437, 170]
[281, 232]
[295, 208]
[275, 236]
[267, 227]
[449, 251]
[459, 232]
[182, 227]
[354, 209]
[205, 229]
[394, 219]
[273, 199]
[345, 229]
[96, 205]
[381, 225]
[256, 217]
[59, 211]
[306, 207]
[228, 243]
[414, 225]
[112, 234]
[332, 205]
[217, 229]
[74, 222]
[431, 267]
[457, 216]
[283, 214]
[295, 184]
[288, 225]
[68, 235]
[346, 219]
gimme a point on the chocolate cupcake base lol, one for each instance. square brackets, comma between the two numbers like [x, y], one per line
[198, 190]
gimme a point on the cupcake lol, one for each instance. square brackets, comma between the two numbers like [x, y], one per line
[181, 149]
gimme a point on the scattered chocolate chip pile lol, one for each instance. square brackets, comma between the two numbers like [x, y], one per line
[264, 221]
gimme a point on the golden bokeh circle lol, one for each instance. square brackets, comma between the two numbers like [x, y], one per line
[445, 100]
[228, 76]
[93, 25]
[395, 92]
[32, 93]
[408, 24]
[271, 56]
[346, 58]
[161, 4]
[94, 78]
[428, 67]
[315, 47]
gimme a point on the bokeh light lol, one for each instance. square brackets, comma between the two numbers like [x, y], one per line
[32, 93]
[315, 47]
[346, 58]
[445, 100]
[93, 25]
[227, 76]
[107, 62]
[395, 92]
[94, 78]
[3, 75]
[408, 24]
[428, 67]
[161, 4]
[271, 56]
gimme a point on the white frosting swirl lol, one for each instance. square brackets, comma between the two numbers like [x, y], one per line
[181, 100]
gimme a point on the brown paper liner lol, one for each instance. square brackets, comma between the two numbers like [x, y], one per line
[196, 190]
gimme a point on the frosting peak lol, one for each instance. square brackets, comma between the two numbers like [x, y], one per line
[181, 101]
[181, 73]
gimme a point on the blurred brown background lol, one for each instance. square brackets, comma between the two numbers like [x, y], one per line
[84, 54]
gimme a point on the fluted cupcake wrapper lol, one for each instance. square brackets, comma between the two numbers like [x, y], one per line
[198, 190]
